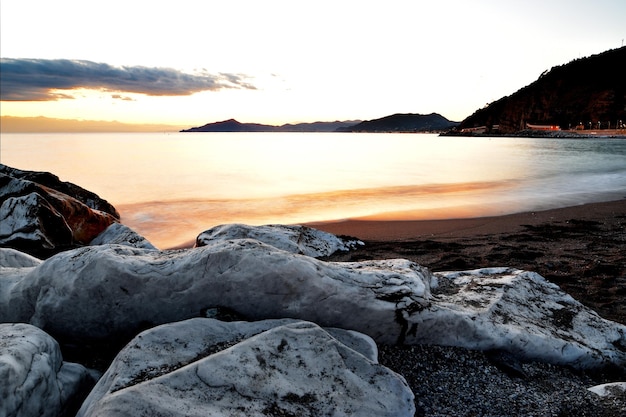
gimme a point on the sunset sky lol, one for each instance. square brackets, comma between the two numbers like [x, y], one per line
[187, 63]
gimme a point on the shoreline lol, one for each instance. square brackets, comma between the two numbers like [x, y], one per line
[401, 230]
[369, 229]
[582, 248]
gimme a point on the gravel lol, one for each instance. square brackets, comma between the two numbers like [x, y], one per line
[451, 381]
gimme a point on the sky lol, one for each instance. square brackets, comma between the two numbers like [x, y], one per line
[188, 63]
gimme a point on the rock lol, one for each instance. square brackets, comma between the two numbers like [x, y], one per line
[31, 224]
[13, 265]
[171, 346]
[42, 221]
[11, 258]
[613, 389]
[119, 234]
[295, 239]
[49, 180]
[278, 367]
[110, 292]
[103, 292]
[518, 312]
[35, 380]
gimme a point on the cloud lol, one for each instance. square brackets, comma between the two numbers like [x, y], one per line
[41, 79]
[121, 97]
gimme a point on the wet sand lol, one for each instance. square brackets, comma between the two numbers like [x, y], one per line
[580, 248]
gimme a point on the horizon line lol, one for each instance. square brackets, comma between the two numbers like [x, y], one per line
[46, 124]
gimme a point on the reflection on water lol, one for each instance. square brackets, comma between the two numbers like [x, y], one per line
[180, 221]
[171, 187]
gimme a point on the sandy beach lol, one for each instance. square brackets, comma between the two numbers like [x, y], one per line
[580, 248]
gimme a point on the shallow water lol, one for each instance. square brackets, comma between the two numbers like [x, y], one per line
[170, 187]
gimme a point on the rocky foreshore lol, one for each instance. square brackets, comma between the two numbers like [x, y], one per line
[551, 134]
[259, 321]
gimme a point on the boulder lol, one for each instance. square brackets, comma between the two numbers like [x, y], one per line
[31, 224]
[120, 234]
[51, 181]
[103, 292]
[41, 220]
[206, 367]
[11, 258]
[35, 380]
[295, 239]
[13, 265]
[112, 292]
[519, 312]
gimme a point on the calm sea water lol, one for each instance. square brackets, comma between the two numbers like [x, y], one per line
[170, 187]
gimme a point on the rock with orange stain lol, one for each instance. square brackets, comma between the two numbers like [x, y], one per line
[42, 220]
[85, 223]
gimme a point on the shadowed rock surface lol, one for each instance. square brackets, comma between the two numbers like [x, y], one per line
[42, 219]
[34, 380]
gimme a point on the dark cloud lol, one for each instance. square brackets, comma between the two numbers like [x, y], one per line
[34, 79]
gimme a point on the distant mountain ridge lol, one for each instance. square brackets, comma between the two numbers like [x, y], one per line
[404, 122]
[407, 122]
[232, 125]
[585, 91]
[17, 124]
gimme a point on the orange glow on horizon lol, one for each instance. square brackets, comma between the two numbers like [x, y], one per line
[16, 124]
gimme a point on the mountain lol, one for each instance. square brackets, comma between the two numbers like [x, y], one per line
[318, 126]
[407, 122]
[586, 90]
[233, 125]
[16, 124]
[395, 123]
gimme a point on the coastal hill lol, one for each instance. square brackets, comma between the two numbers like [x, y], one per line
[407, 122]
[585, 93]
[395, 123]
[233, 125]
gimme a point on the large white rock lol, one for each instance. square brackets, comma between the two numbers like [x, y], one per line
[112, 291]
[204, 367]
[106, 291]
[34, 380]
[520, 312]
[120, 234]
[295, 239]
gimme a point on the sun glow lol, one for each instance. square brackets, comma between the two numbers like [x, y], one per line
[282, 62]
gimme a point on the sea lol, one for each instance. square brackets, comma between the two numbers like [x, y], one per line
[169, 187]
